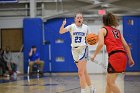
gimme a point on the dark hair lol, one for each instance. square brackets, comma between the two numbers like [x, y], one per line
[33, 46]
[1, 51]
[110, 20]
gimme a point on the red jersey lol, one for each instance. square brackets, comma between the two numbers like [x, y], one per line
[113, 40]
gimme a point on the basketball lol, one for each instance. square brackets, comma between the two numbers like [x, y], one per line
[92, 39]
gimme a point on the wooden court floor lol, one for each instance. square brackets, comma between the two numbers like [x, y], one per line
[64, 84]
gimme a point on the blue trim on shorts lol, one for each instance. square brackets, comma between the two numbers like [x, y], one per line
[84, 54]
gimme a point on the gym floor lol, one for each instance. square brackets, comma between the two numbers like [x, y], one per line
[64, 83]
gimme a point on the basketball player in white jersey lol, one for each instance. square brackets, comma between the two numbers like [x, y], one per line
[78, 32]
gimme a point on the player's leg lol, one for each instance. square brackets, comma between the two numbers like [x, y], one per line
[111, 82]
[111, 79]
[108, 90]
[88, 80]
[117, 64]
[87, 77]
[81, 69]
[78, 55]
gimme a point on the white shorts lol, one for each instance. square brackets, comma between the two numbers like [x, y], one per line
[79, 52]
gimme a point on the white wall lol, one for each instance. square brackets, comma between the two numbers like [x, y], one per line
[11, 23]
[92, 67]
[18, 59]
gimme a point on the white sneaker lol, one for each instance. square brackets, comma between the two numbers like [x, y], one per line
[93, 90]
[83, 91]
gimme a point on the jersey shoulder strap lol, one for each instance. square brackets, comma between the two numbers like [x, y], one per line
[72, 27]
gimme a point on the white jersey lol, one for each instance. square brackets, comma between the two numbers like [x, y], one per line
[78, 34]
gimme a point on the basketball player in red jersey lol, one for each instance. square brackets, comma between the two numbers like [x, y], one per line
[117, 49]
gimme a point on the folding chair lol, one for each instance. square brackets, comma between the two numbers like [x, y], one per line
[37, 68]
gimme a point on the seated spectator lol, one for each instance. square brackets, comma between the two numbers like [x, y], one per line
[2, 63]
[34, 57]
[12, 67]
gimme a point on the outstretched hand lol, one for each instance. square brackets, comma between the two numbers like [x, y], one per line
[131, 63]
[92, 58]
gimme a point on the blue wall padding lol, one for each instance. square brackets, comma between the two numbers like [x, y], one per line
[33, 36]
[132, 36]
[60, 49]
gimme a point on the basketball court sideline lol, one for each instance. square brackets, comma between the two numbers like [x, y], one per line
[64, 84]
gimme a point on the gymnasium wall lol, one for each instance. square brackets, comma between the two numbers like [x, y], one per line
[61, 57]
[11, 23]
[131, 32]
[33, 36]
[50, 27]
[91, 66]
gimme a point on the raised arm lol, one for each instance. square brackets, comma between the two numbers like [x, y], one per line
[131, 61]
[62, 29]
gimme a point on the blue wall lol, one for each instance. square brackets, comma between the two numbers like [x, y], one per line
[33, 36]
[132, 36]
[59, 49]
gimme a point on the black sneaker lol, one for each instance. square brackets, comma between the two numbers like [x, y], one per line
[41, 73]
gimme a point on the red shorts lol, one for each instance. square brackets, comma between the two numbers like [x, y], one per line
[117, 62]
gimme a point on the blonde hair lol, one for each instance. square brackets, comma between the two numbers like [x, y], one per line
[78, 13]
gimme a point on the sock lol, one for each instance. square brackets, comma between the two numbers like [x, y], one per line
[83, 90]
[92, 89]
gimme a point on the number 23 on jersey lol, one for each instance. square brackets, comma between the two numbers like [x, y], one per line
[78, 39]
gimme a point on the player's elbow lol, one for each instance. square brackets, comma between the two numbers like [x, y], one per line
[60, 32]
[100, 45]
[126, 46]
